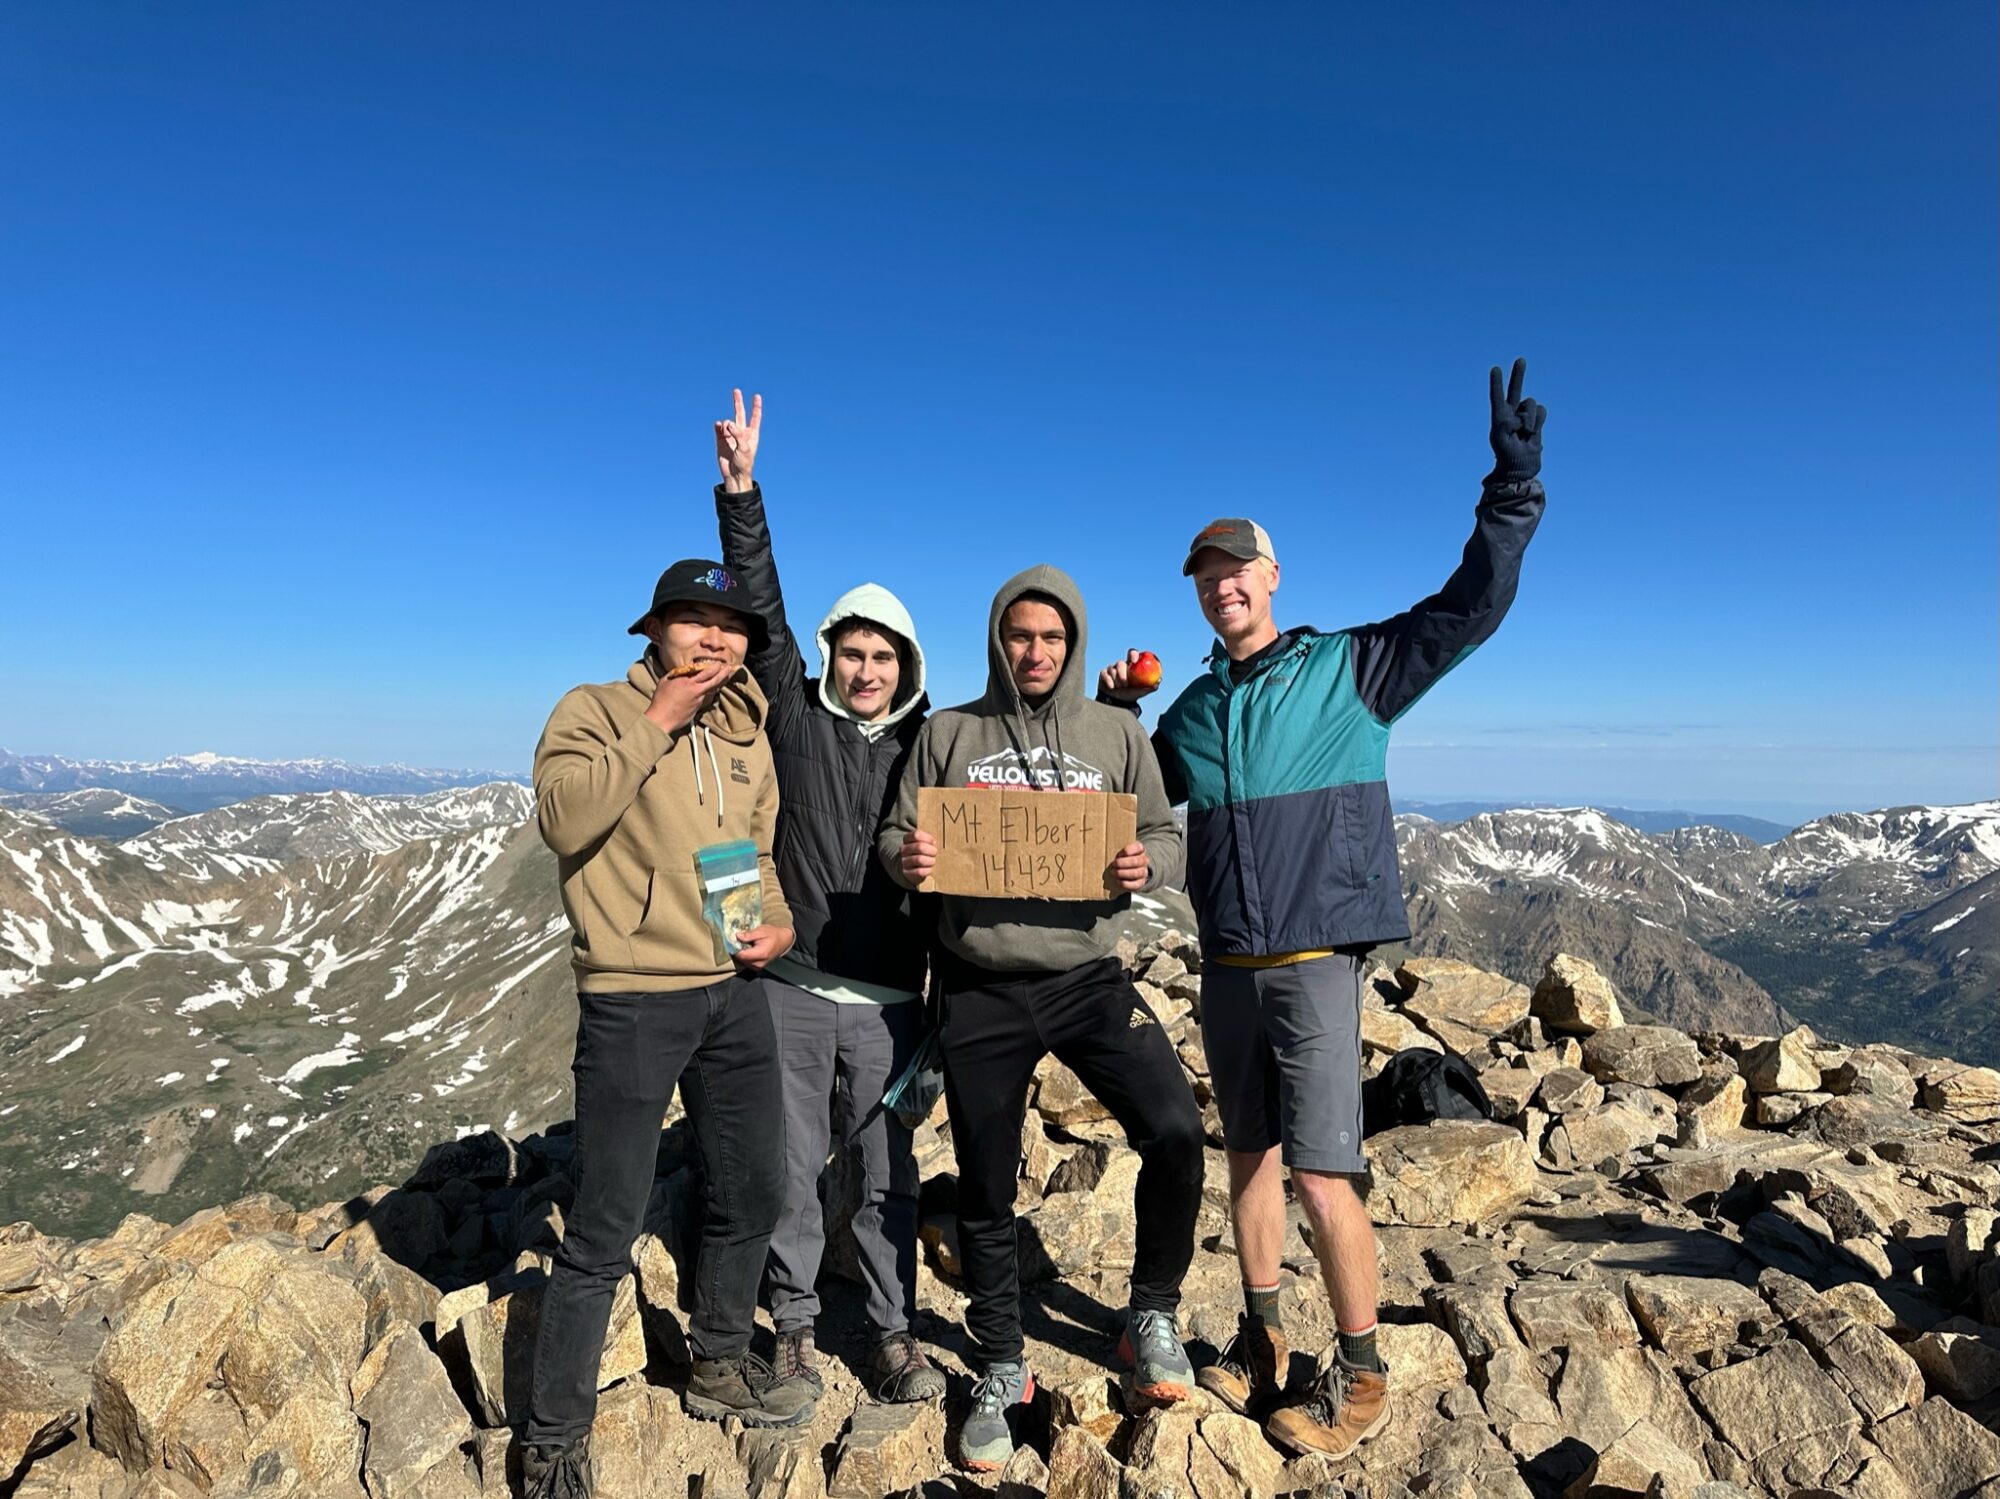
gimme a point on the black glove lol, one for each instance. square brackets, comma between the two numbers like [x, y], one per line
[1517, 430]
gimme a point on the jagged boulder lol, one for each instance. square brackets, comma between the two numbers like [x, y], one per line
[1785, 1421]
[303, 1335]
[1463, 1006]
[413, 1418]
[886, 1449]
[1969, 1095]
[34, 1415]
[169, 1347]
[1080, 1468]
[1685, 1315]
[1653, 1056]
[313, 1438]
[494, 1342]
[1961, 1359]
[1062, 1099]
[1574, 999]
[1786, 1064]
[1641, 1462]
[1449, 1171]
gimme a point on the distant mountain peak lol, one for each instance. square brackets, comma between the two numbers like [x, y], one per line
[207, 779]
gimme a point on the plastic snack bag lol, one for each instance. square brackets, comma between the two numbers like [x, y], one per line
[732, 891]
[913, 1095]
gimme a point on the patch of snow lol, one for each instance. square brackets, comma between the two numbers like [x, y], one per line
[71, 1048]
[342, 1055]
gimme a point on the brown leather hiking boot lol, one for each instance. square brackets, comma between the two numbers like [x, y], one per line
[1250, 1374]
[1344, 1408]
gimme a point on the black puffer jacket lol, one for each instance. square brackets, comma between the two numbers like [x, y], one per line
[835, 780]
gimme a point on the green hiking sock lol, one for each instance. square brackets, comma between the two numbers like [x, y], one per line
[1357, 1350]
[1262, 1303]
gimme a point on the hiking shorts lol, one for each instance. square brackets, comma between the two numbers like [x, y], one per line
[1284, 1059]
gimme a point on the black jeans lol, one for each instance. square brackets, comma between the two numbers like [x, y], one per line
[997, 1026]
[630, 1050]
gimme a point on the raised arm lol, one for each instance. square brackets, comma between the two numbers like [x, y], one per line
[1400, 659]
[779, 667]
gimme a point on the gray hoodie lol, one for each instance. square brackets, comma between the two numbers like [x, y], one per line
[1064, 740]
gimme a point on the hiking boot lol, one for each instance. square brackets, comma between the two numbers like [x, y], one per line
[1151, 1344]
[796, 1362]
[899, 1374]
[1250, 1375]
[1344, 1407]
[745, 1388]
[984, 1442]
[557, 1472]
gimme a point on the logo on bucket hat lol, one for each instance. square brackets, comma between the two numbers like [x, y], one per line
[697, 580]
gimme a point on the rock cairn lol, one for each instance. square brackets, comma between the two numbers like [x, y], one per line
[1674, 1266]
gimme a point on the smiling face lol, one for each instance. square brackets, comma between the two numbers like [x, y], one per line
[1036, 643]
[696, 634]
[867, 670]
[1235, 597]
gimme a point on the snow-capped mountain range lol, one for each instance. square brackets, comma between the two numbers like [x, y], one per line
[298, 990]
[200, 782]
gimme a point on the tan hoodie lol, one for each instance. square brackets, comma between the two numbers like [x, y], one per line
[625, 807]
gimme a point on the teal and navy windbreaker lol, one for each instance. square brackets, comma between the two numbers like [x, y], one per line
[1290, 843]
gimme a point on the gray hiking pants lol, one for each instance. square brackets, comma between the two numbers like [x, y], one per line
[837, 1060]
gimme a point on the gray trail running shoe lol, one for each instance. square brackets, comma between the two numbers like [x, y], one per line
[899, 1374]
[557, 1472]
[984, 1442]
[1151, 1344]
[745, 1388]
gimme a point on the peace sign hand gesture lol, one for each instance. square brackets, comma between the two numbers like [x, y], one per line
[736, 445]
[1517, 429]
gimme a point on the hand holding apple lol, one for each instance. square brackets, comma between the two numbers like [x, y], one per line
[1130, 679]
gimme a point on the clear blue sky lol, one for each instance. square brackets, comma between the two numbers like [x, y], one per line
[358, 361]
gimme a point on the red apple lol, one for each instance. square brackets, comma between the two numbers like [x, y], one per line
[1145, 671]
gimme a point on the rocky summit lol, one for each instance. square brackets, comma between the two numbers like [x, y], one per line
[1680, 1266]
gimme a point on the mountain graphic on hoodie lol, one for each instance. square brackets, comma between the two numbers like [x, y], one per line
[1037, 770]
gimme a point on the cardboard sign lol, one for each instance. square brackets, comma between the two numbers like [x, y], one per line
[1040, 845]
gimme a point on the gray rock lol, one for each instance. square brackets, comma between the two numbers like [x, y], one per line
[1941, 1452]
[1784, 1418]
[1653, 1056]
[412, 1416]
[1573, 998]
[1961, 1359]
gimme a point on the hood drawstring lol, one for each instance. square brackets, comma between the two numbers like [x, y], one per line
[721, 796]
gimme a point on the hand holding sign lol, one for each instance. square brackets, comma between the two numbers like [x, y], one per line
[1132, 867]
[919, 856]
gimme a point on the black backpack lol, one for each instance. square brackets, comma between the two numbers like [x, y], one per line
[1418, 1086]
